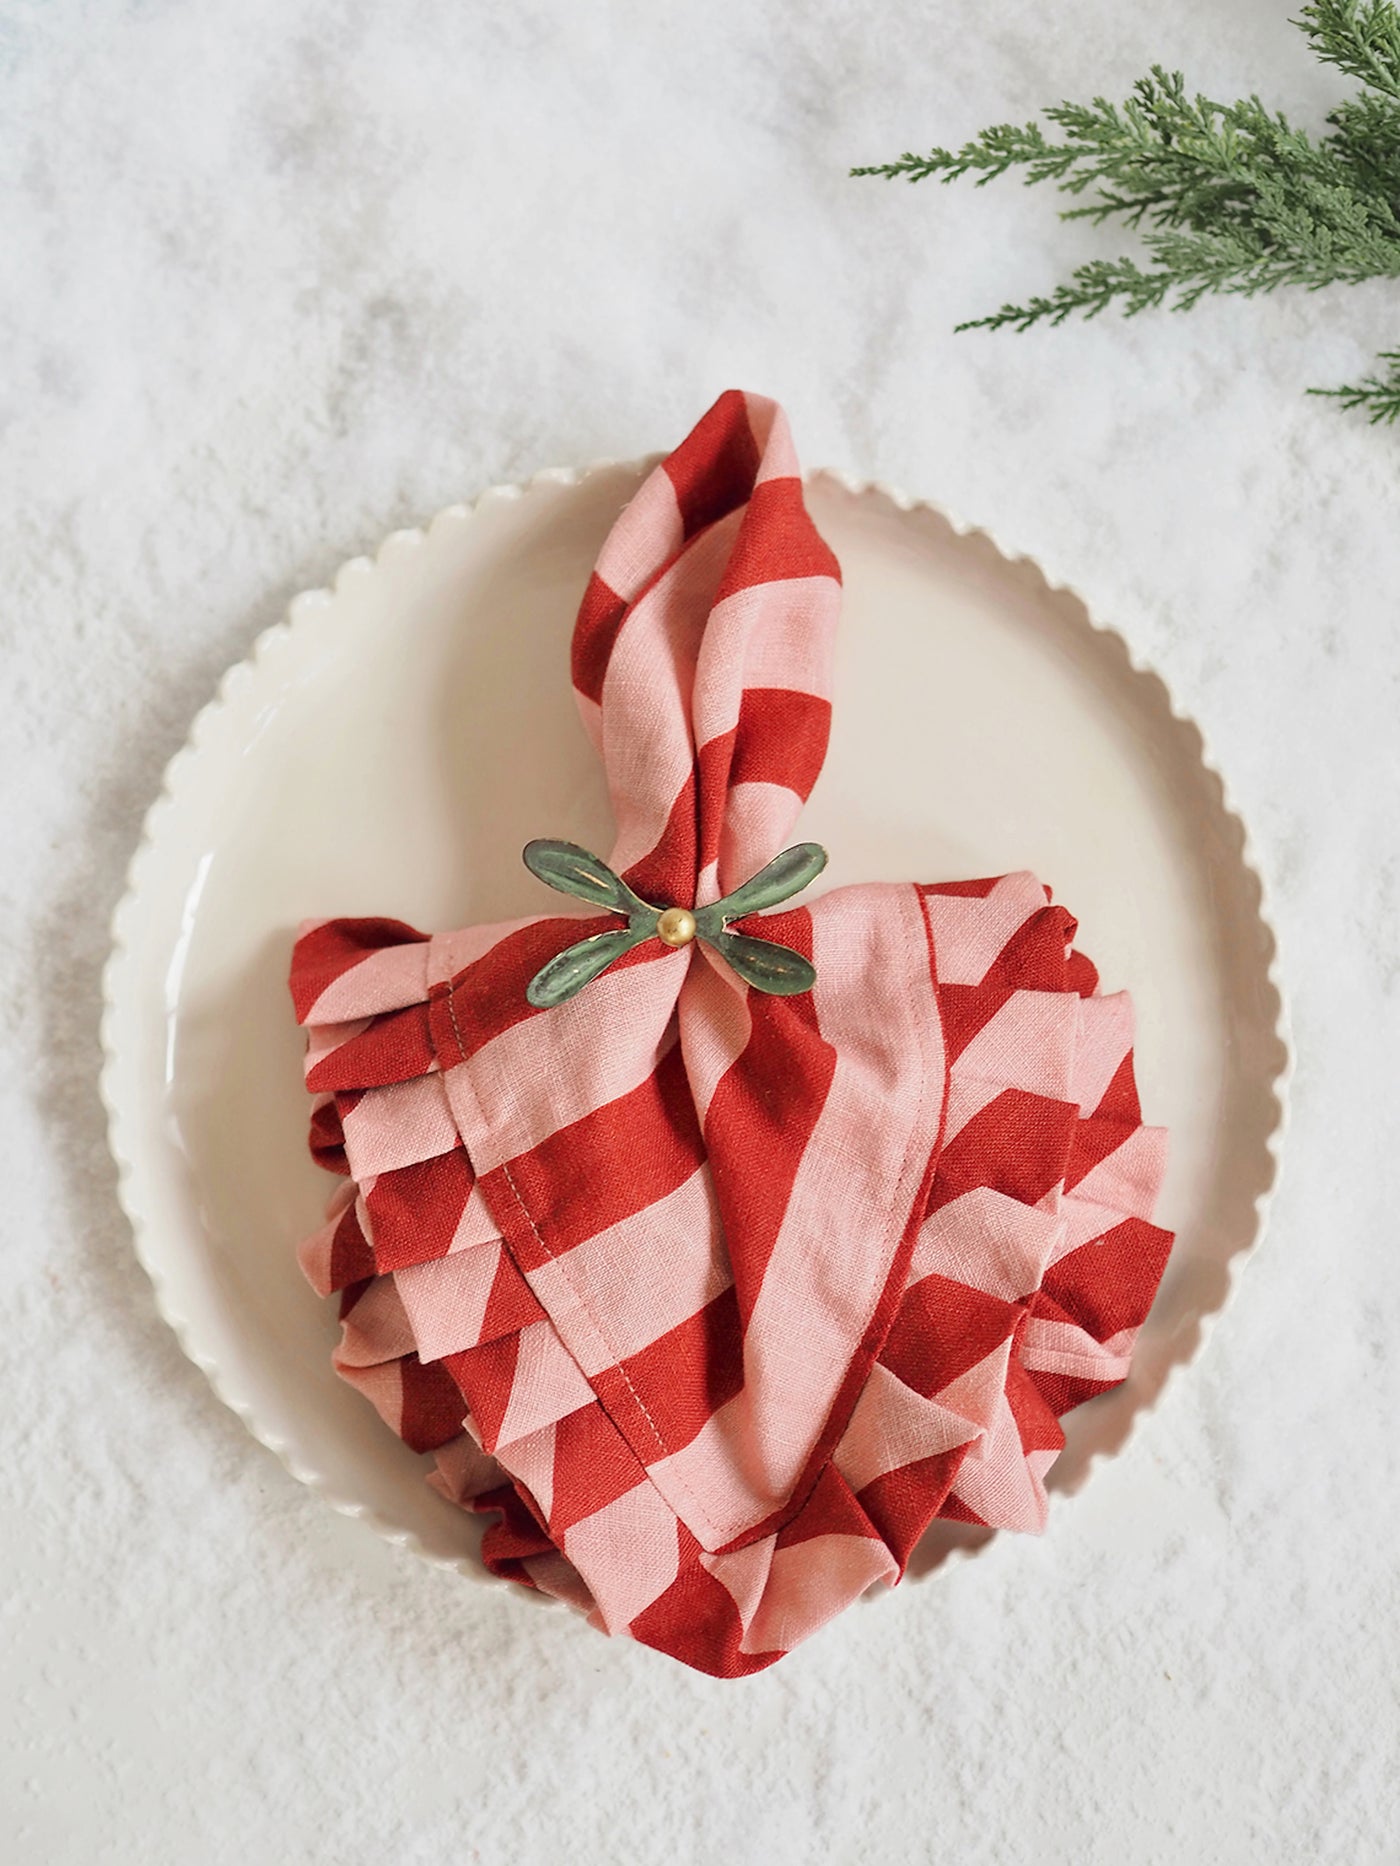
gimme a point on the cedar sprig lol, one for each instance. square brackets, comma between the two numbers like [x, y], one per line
[1378, 395]
[1227, 198]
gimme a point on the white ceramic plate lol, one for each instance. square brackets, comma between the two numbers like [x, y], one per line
[393, 745]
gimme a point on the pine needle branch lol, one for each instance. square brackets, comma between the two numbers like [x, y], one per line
[1359, 37]
[1227, 198]
[1378, 395]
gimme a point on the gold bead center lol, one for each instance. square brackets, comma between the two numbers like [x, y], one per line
[676, 927]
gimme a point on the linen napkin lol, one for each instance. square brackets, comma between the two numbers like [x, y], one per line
[712, 1298]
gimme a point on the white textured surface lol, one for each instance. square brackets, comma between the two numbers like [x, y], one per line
[280, 276]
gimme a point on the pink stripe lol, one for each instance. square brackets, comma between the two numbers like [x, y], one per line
[1062, 1348]
[892, 1426]
[445, 1300]
[1105, 1038]
[384, 980]
[547, 1386]
[769, 635]
[314, 1252]
[970, 935]
[989, 1242]
[476, 1225]
[769, 425]
[648, 535]
[322, 1040]
[634, 1274]
[648, 743]
[628, 1554]
[967, 1097]
[809, 1583]
[997, 1482]
[1030, 1044]
[464, 1470]
[848, 1209]
[553, 1575]
[715, 1026]
[532, 1463]
[976, 1394]
[451, 953]
[757, 818]
[376, 1329]
[382, 1386]
[1130, 1178]
[744, 1573]
[1084, 1221]
[398, 1126]
[547, 1072]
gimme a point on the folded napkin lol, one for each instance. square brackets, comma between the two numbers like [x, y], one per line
[715, 1296]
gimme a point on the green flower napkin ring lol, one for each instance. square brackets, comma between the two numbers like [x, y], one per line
[761, 963]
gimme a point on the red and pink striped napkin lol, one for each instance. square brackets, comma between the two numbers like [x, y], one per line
[713, 1299]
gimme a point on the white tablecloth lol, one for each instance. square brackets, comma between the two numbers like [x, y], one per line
[281, 275]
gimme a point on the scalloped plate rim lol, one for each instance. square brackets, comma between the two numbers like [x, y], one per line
[318, 600]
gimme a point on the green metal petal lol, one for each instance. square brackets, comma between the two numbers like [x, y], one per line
[764, 964]
[761, 963]
[569, 869]
[578, 965]
[787, 874]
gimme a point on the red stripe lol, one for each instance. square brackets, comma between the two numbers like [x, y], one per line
[1119, 1101]
[326, 1139]
[963, 890]
[1081, 976]
[351, 1257]
[830, 1510]
[486, 1375]
[488, 997]
[1109, 1285]
[1033, 959]
[966, 1009]
[1037, 1424]
[593, 1466]
[613, 1163]
[954, 1510]
[1095, 1140]
[661, 1397]
[321, 956]
[600, 616]
[396, 1047]
[713, 468]
[666, 876]
[696, 1621]
[777, 542]
[765, 1108]
[509, 1543]
[944, 1328]
[1063, 1392]
[432, 1405]
[414, 1210]
[1017, 1144]
[781, 738]
[713, 767]
[352, 1293]
[903, 1503]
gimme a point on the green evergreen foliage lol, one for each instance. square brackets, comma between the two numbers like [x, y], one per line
[1226, 197]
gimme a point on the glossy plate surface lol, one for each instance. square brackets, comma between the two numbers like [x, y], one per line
[393, 746]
